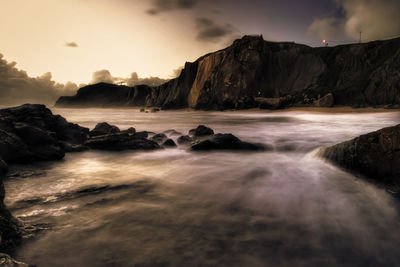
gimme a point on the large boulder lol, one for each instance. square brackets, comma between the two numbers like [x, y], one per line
[169, 143]
[121, 141]
[226, 142]
[375, 155]
[184, 139]
[31, 133]
[104, 128]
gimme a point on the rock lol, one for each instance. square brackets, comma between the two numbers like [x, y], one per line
[184, 139]
[67, 147]
[142, 110]
[169, 143]
[159, 138]
[269, 103]
[130, 130]
[226, 142]
[3, 168]
[31, 133]
[7, 261]
[201, 130]
[121, 141]
[326, 101]
[104, 128]
[153, 110]
[375, 155]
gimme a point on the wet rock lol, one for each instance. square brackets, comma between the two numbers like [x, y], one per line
[184, 139]
[3, 168]
[7, 261]
[142, 110]
[67, 147]
[326, 101]
[169, 143]
[375, 155]
[104, 128]
[201, 130]
[159, 138]
[121, 141]
[226, 142]
[153, 110]
[33, 135]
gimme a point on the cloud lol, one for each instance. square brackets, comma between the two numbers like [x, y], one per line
[134, 79]
[71, 44]
[376, 19]
[176, 72]
[16, 87]
[168, 5]
[209, 31]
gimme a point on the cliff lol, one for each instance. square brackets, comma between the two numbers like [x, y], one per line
[356, 74]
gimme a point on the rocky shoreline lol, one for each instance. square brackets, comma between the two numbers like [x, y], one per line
[254, 73]
[32, 133]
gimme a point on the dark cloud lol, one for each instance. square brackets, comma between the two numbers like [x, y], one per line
[168, 5]
[71, 44]
[376, 19]
[134, 79]
[16, 87]
[209, 31]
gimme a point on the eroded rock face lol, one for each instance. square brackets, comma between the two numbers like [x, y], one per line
[31, 133]
[231, 78]
[375, 155]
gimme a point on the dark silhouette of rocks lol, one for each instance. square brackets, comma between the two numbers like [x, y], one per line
[201, 130]
[284, 74]
[184, 139]
[104, 128]
[326, 101]
[121, 141]
[159, 138]
[375, 155]
[169, 143]
[226, 142]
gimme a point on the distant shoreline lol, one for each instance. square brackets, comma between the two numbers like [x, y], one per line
[338, 109]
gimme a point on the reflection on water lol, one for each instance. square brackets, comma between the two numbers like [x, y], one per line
[179, 208]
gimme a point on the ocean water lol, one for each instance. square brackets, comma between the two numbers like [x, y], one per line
[174, 207]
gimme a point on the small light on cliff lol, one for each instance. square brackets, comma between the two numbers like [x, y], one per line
[325, 42]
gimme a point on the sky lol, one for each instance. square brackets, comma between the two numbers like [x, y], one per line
[84, 41]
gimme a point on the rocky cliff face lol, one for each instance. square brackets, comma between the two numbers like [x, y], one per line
[357, 74]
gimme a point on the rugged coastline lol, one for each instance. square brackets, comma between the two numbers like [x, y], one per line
[33, 133]
[253, 73]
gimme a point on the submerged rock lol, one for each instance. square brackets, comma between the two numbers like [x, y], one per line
[104, 128]
[159, 138]
[184, 139]
[226, 142]
[169, 143]
[201, 130]
[375, 155]
[121, 141]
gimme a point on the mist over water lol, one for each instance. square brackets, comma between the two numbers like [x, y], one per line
[175, 207]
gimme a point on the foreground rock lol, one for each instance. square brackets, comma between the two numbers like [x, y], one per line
[122, 141]
[32, 133]
[375, 155]
[226, 142]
